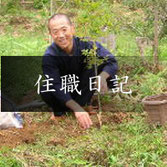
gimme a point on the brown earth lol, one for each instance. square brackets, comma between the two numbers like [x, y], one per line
[67, 127]
[19, 20]
[12, 137]
[40, 123]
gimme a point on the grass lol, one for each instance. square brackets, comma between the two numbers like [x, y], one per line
[132, 144]
[23, 45]
[126, 45]
[163, 49]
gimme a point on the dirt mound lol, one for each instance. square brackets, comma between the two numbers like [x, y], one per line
[13, 137]
[67, 127]
[19, 20]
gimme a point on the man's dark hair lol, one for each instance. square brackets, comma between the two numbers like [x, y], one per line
[59, 15]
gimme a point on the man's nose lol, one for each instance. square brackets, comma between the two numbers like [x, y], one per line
[61, 34]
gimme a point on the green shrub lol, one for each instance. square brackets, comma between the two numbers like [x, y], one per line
[10, 7]
[9, 162]
[38, 4]
[153, 84]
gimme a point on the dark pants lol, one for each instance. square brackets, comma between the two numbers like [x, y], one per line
[83, 99]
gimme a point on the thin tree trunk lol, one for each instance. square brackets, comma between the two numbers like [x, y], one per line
[99, 102]
[98, 95]
[51, 13]
[51, 7]
[142, 43]
[156, 35]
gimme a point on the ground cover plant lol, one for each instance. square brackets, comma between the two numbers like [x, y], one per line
[125, 138]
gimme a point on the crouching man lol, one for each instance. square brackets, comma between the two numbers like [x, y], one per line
[65, 62]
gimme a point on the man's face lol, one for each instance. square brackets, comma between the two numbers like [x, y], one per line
[62, 33]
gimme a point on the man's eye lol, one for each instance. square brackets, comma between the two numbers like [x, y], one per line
[55, 32]
[64, 30]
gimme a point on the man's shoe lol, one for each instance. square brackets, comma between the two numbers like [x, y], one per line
[57, 118]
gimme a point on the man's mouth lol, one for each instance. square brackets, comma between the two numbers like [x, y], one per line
[62, 42]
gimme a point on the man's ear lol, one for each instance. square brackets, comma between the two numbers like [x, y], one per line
[49, 32]
[73, 29]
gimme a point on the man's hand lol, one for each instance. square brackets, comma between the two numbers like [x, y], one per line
[104, 88]
[81, 115]
[103, 84]
[83, 119]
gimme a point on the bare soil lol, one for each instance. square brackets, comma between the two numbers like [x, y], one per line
[66, 126]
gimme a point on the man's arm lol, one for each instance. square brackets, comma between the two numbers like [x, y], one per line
[81, 115]
[104, 75]
[110, 67]
[50, 68]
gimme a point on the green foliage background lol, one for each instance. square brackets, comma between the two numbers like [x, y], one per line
[23, 32]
